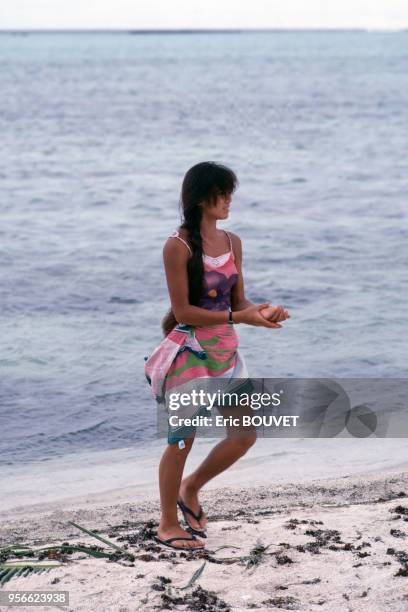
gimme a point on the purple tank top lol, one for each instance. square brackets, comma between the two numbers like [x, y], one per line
[220, 275]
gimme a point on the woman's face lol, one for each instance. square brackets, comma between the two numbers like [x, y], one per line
[220, 210]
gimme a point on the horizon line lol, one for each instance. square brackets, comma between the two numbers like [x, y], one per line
[192, 30]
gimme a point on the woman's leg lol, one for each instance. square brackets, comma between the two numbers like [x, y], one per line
[239, 439]
[170, 474]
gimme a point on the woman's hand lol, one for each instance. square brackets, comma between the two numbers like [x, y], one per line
[276, 314]
[252, 316]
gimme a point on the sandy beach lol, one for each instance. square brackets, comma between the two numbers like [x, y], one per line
[98, 128]
[323, 544]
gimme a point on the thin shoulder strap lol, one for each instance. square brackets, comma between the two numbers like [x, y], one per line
[176, 235]
[230, 241]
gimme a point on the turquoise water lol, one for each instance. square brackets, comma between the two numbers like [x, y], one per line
[97, 133]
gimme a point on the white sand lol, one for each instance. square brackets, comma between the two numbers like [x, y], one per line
[362, 577]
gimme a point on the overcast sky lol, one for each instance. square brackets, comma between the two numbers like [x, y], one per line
[145, 14]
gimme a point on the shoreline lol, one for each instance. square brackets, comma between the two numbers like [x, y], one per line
[92, 479]
[363, 488]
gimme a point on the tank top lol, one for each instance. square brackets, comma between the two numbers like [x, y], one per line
[220, 275]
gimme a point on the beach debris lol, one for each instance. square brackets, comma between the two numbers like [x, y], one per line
[363, 545]
[400, 510]
[256, 555]
[284, 587]
[202, 600]
[144, 540]
[194, 577]
[146, 557]
[282, 559]
[402, 557]
[325, 535]
[285, 603]
[21, 560]
[144, 532]
[311, 581]
[10, 570]
[16, 550]
[51, 552]
[199, 600]
[291, 524]
[161, 584]
[324, 538]
[397, 533]
[312, 547]
[226, 546]
[231, 528]
[123, 551]
[294, 522]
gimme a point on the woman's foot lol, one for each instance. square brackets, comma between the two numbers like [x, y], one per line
[172, 531]
[189, 496]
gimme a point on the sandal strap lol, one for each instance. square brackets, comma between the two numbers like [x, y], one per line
[188, 510]
[180, 538]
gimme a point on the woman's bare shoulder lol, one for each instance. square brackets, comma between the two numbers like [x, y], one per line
[236, 240]
[173, 246]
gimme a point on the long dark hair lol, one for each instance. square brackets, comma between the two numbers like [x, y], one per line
[202, 183]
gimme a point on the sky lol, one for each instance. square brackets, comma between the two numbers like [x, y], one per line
[214, 14]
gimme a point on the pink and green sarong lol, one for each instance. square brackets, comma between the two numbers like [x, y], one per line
[196, 357]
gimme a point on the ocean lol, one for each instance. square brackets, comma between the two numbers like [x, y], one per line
[97, 133]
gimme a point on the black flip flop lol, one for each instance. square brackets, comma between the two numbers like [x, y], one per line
[169, 540]
[186, 510]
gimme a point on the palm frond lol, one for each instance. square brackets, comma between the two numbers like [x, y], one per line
[59, 547]
[8, 571]
[98, 537]
[194, 577]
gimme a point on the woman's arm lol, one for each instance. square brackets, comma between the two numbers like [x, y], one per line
[175, 256]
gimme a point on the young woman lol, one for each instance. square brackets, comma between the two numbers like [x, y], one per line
[206, 288]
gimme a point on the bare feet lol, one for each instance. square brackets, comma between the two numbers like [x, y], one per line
[190, 497]
[173, 531]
